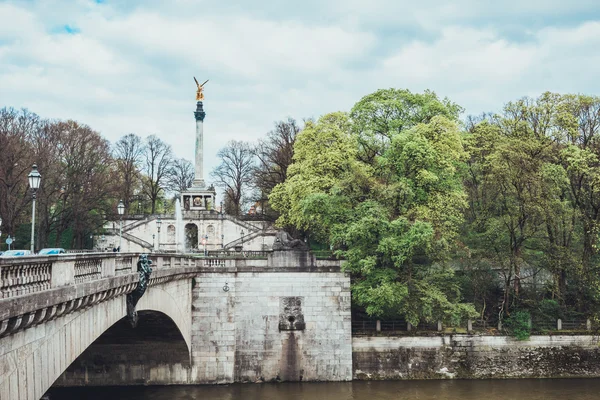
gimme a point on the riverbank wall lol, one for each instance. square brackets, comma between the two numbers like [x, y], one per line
[461, 356]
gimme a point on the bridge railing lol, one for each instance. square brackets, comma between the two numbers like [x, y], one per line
[238, 254]
[25, 275]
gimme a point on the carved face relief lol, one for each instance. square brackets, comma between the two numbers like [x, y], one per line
[291, 317]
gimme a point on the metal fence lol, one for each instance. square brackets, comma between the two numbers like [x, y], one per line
[369, 327]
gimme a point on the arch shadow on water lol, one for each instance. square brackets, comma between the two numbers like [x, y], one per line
[123, 355]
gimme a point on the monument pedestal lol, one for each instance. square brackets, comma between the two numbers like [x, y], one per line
[198, 199]
[298, 259]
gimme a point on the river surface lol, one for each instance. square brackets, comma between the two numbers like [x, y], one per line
[526, 389]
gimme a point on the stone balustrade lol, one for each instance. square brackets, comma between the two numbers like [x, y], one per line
[37, 289]
[29, 277]
[26, 275]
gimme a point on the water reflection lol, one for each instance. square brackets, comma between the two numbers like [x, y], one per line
[527, 389]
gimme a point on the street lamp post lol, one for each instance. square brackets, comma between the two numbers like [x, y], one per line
[242, 239]
[153, 245]
[158, 224]
[222, 241]
[205, 245]
[121, 210]
[34, 183]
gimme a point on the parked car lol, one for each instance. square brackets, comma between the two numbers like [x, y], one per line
[15, 253]
[51, 251]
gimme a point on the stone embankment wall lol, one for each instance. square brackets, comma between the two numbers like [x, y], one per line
[475, 357]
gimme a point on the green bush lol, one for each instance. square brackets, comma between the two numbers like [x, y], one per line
[548, 309]
[518, 325]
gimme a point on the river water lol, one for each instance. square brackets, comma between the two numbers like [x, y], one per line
[526, 389]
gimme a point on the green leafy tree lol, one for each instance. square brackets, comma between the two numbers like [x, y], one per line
[394, 217]
[380, 115]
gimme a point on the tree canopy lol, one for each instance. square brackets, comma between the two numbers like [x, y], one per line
[443, 219]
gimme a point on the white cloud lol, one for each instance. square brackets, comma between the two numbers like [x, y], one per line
[130, 68]
[481, 70]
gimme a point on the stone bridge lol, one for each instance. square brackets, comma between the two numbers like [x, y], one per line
[268, 316]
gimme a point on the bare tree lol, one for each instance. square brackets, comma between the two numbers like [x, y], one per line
[235, 172]
[16, 131]
[158, 161]
[274, 154]
[76, 167]
[86, 180]
[49, 149]
[128, 153]
[180, 176]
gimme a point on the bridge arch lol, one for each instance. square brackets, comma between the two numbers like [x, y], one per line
[152, 353]
[33, 359]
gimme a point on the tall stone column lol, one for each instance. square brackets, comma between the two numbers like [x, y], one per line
[199, 171]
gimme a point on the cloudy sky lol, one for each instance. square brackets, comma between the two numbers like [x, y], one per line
[127, 66]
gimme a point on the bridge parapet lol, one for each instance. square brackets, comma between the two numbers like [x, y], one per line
[37, 289]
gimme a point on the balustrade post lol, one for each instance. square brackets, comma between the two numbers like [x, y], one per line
[469, 326]
[439, 326]
[559, 324]
[588, 325]
[408, 326]
[62, 273]
[378, 326]
[109, 266]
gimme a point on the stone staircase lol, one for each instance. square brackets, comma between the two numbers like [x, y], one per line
[249, 237]
[244, 224]
[131, 238]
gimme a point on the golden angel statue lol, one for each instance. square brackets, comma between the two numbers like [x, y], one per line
[199, 94]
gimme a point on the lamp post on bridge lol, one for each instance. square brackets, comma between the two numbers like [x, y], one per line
[121, 211]
[242, 239]
[34, 183]
[222, 241]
